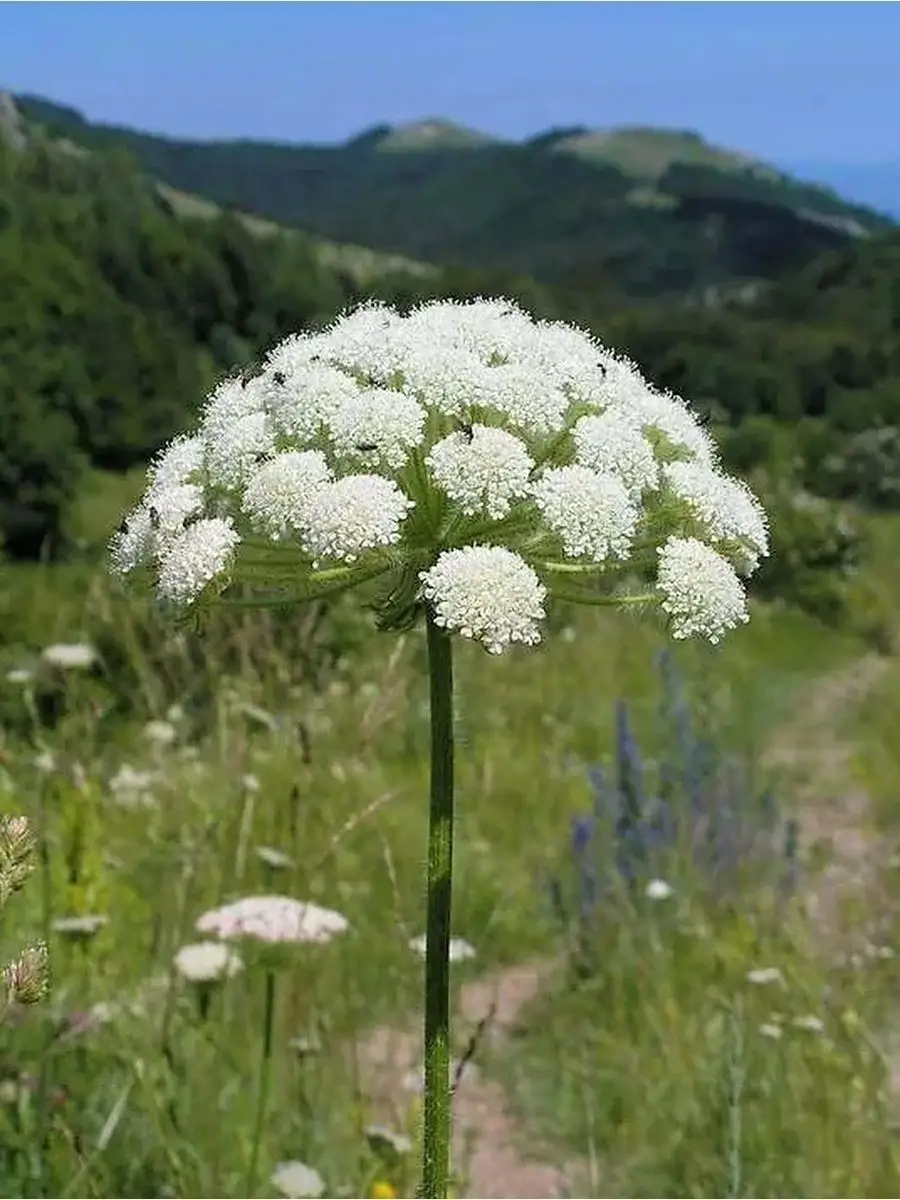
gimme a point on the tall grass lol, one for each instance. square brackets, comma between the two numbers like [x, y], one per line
[311, 740]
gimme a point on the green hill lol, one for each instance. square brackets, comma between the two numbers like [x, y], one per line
[121, 300]
[651, 212]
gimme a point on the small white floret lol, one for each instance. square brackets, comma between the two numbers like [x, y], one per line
[726, 507]
[702, 592]
[279, 493]
[355, 514]
[377, 426]
[487, 593]
[482, 472]
[592, 514]
[614, 445]
[196, 557]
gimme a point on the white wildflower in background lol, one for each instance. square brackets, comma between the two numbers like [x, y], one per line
[160, 733]
[765, 975]
[297, 1181]
[464, 457]
[770, 1030]
[19, 675]
[658, 889]
[460, 949]
[810, 1024]
[273, 919]
[207, 962]
[131, 788]
[80, 929]
[275, 860]
[70, 656]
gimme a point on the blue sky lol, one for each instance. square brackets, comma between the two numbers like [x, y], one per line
[791, 82]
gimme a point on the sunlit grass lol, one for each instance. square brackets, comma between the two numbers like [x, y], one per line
[331, 773]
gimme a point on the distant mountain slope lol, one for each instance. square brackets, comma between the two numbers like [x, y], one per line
[654, 212]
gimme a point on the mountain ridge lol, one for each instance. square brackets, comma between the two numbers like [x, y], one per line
[649, 212]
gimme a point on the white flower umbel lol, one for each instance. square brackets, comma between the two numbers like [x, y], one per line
[483, 469]
[592, 514]
[488, 593]
[297, 1181]
[279, 493]
[273, 919]
[465, 466]
[613, 445]
[207, 962]
[70, 656]
[354, 514]
[377, 427]
[195, 558]
[727, 508]
[233, 451]
[180, 463]
[302, 392]
[702, 592]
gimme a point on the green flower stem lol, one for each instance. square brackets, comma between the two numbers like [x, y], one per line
[604, 601]
[437, 1116]
[265, 1075]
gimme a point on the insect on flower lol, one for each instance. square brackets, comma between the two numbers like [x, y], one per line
[154, 517]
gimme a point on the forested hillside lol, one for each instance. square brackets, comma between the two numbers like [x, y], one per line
[119, 308]
[649, 212]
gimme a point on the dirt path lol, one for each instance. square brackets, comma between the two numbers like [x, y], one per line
[486, 1146]
[813, 754]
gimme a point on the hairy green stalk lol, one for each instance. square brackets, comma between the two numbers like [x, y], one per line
[437, 1116]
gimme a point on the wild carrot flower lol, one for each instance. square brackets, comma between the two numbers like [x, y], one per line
[465, 465]
[206, 962]
[70, 656]
[296, 1180]
[273, 919]
[765, 975]
[80, 929]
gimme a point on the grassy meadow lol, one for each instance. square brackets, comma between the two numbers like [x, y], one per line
[289, 755]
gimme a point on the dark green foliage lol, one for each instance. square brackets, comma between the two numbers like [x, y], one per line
[115, 315]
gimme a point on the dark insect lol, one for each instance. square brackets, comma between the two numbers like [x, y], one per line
[279, 377]
[602, 370]
[123, 528]
[468, 432]
[262, 456]
[366, 447]
[154, 518]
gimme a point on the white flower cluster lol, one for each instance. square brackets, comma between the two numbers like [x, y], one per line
[472, 455]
